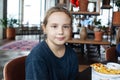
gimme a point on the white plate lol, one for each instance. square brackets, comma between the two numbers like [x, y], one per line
[113, 65]
[106, 75]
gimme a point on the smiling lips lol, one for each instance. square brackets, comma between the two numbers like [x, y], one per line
[60, 38]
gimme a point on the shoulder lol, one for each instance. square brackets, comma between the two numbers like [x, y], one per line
[38, 51]
[39, 47]
[118, 47]
[72, 55]
[69, 49]
[71, 52]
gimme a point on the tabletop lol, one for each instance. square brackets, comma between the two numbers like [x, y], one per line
[88, 41]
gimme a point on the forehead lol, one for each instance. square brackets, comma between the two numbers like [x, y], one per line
[59, 15]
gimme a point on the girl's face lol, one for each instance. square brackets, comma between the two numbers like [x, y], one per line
[58, 28]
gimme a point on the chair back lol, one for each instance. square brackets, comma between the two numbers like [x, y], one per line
[111, 54]
[15, 69]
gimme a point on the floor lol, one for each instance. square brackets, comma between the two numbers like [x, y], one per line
[5, 56]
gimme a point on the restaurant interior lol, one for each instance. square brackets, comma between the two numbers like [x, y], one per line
[88, 19]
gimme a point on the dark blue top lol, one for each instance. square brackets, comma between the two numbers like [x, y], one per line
[42, 64]
[118, 49]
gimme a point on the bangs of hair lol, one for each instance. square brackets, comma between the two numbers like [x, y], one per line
[56, 9]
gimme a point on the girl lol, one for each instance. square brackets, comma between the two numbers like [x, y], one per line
[52, 59]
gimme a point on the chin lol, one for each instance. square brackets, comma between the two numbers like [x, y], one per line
[60, 42]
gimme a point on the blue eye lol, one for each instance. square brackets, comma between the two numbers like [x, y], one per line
[66, 26]
[53, 26]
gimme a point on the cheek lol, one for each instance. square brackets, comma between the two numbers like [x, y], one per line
[69, 33]
[50, 32]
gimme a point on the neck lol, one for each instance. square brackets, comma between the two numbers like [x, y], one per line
[58, 50]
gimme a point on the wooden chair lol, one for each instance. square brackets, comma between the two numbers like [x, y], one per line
[15, 69]
[111, 54]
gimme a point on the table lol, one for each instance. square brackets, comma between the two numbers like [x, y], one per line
[87, 42]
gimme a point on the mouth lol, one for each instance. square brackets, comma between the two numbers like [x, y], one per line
[60, 38]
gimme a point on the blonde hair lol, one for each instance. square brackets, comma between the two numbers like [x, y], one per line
[56, 9]
[118, 36]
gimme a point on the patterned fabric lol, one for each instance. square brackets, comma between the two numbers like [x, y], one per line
[24, 45]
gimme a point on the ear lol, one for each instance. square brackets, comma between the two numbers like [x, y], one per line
[44, 29]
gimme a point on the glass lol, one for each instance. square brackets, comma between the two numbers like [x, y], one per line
[31, 11]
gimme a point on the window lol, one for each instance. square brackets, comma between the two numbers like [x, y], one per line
[31, 12]
[12, 9]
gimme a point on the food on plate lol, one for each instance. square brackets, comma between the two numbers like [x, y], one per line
[99, 67]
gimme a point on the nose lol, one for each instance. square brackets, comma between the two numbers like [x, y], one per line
[60, 30]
